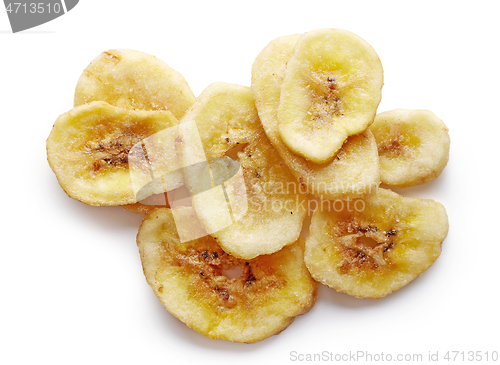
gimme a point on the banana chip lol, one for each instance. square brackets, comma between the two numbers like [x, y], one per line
[354, 172]
[413, 145]
[217, 294]
[134, 80]
[224, 190]
[331, 90]
[261, 209]
[88, 150]
[369, 248]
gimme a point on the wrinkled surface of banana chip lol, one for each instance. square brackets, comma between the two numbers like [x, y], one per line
[88, 150]
[331, 90]
[413, 145]
[134, 80]
[259, 299]
[268, 211]
[354, 171]
[372, 247]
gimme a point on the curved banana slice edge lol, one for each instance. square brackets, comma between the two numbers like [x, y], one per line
[134, 80]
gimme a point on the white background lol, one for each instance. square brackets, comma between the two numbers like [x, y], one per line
[71, 284]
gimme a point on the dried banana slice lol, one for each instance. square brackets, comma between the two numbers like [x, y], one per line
[413, 145]
[369, 248]
[217, 294]
[261, 209]
[352, 173]
[88, 150]
[134, 80]
[331, 90]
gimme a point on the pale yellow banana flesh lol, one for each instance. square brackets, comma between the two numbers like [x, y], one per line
[331, 90]
[161, 201]
[134, 80]
[354, 172]
[369, 248]
[88, 150]
[217, 294]
[413, 145]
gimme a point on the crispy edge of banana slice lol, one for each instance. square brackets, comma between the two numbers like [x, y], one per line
[139, 208]
[413, 146]
[134, 80]
[157, 201]
[346, 176]
[88, 150]
[371, 252]
[226, 116]
[331, 90]
[144, 209]
[190, 280]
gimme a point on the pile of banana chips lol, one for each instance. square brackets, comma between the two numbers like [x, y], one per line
[231, 242]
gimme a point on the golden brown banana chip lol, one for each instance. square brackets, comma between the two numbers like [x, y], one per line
[134, 80]
[253, 207]
[413, 146]
[217, 294]
[369, 248]
[331, 90]
[352, 173]
[88, 150]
